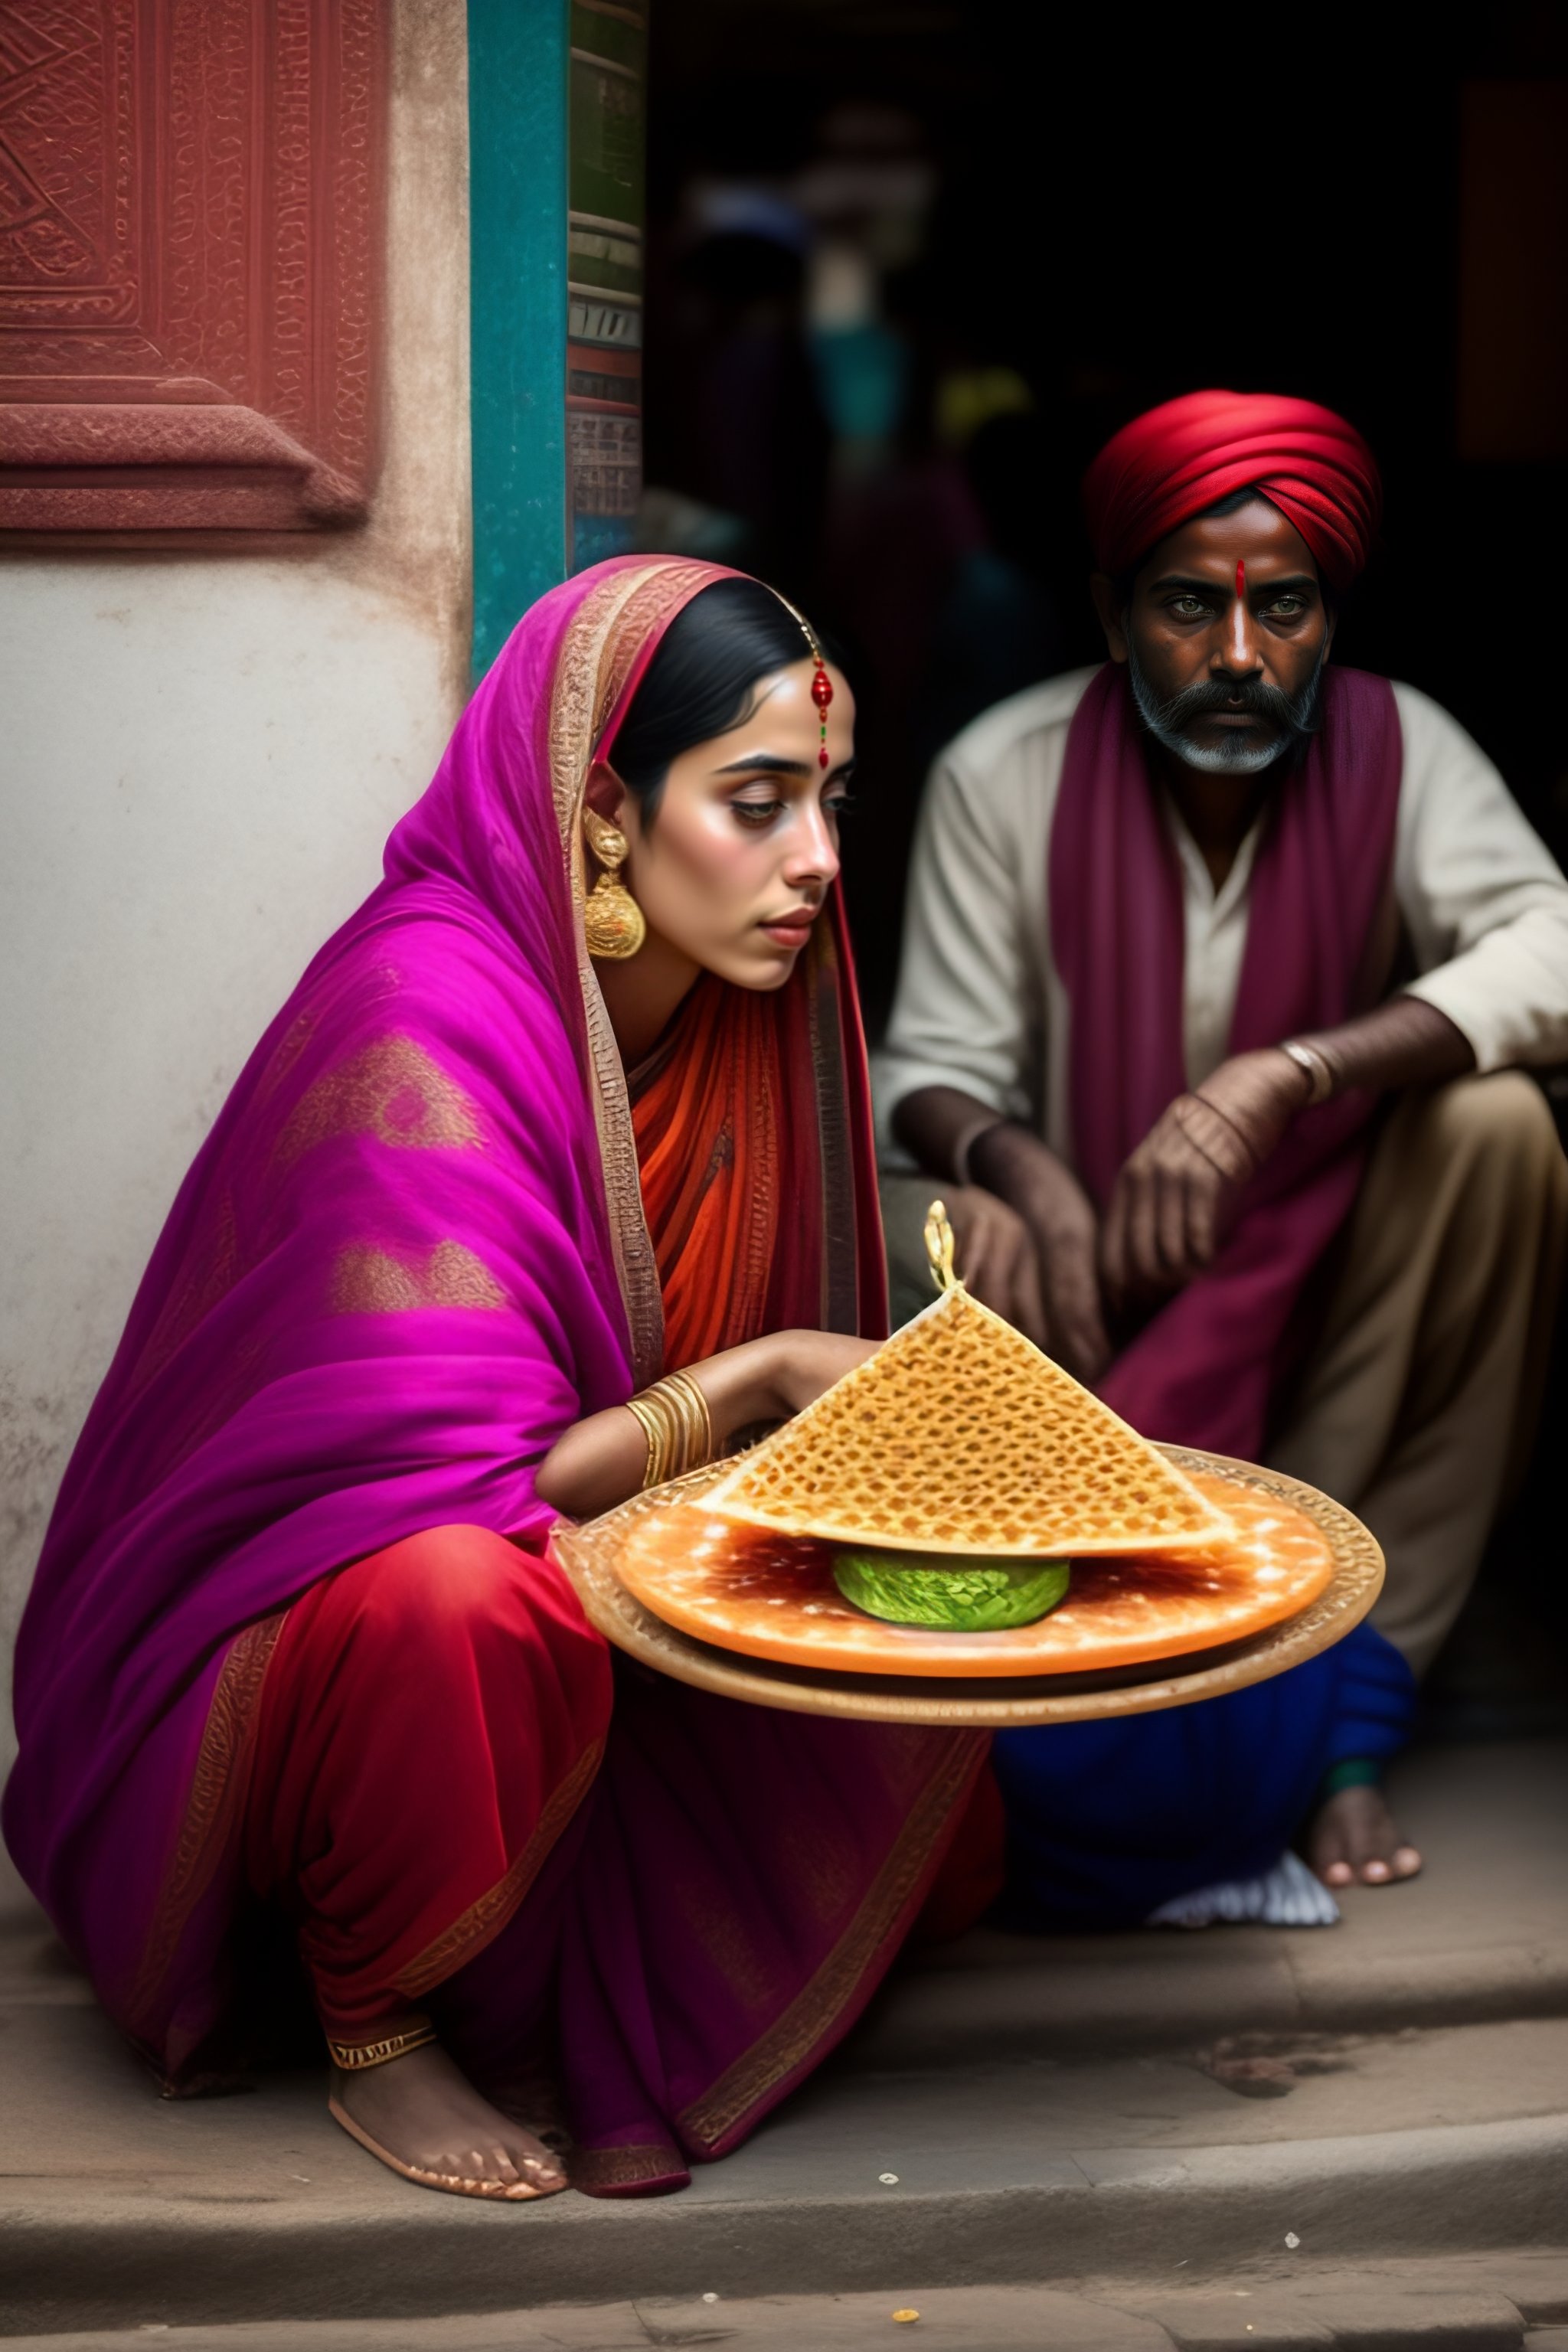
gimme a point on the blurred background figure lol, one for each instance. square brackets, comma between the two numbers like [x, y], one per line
[742, 426]
[998, 629]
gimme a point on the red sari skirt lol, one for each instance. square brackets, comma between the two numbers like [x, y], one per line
[671, 1905]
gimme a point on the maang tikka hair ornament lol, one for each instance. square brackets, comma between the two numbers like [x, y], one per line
[821, 694]
[821, 684]
[613, 923]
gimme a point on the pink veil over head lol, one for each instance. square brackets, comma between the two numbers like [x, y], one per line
[410, 1253]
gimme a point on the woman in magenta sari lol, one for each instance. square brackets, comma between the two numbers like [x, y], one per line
[297, 1650]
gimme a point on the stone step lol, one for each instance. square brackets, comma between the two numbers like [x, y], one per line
[1486, 2304]
[1053, 2110]
[1041, 2172]
[1483, 1933]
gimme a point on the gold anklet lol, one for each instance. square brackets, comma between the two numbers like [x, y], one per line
[674, 1418]
[354, 2057]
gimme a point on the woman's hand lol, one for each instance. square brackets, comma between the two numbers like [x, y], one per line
[1026, 1246]
[1175, 1199]
[805, 1363]
[599, 1461]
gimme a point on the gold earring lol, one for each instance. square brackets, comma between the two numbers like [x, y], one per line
[612, 920]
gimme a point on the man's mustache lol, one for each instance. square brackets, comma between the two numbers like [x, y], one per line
[1284, 713]
[1287, 721]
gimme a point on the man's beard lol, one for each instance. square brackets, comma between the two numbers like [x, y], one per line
[1290, 719]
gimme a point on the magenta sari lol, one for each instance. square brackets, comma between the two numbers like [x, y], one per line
[411, 1253]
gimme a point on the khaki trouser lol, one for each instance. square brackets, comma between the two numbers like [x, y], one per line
[1417, 1404]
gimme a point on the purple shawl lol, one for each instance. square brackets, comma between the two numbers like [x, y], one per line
[1320, 942]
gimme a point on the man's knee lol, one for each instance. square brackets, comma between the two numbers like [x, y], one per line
[1502, 1120]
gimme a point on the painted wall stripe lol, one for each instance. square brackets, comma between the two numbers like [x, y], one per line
[518, 92]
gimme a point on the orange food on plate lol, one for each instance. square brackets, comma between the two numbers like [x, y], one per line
[772, 1595]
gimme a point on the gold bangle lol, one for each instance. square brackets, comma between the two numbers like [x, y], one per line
[696, 1424]
[354, 2057]
[648, 1412]
[673, 1416]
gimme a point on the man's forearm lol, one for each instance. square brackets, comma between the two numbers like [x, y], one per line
[965, 1141]
[939, 1125]
[1404, 1043]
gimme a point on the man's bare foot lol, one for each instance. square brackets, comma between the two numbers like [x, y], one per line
[425, 2112]
[1352, 1839]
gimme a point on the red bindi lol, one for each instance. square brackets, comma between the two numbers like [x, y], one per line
[1241, 582]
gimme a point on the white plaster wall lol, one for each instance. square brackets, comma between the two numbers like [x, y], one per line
[200, 757]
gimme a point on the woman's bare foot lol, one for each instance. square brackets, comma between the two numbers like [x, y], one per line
[425, 2112]
[1352, 1839]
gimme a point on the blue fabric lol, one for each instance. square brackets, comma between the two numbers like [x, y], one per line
[1108, 1820]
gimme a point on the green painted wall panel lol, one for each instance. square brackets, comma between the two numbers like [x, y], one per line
[519, 74]
[556, 124]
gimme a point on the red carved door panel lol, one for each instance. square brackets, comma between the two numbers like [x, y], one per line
[190, 223]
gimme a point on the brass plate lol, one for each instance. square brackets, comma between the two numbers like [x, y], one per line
[588, 1555]
[751, 1589]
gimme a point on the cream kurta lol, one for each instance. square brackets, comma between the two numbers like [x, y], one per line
[981, 1005]
[1419, 1398]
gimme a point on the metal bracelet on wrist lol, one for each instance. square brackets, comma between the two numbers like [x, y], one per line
[1317, 1067]
[674, 1417]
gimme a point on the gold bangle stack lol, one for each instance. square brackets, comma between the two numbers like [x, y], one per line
[675, 1420]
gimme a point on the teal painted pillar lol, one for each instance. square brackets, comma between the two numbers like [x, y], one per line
[556, 118]
[519, 69]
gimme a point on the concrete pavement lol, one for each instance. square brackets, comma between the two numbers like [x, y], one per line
[1057, 2114]
[1489, 2303]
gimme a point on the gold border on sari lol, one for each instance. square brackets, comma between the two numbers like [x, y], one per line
[810, 2018]
[213, 1807]
[598, 656]
[596, 2169]
[482, 1922]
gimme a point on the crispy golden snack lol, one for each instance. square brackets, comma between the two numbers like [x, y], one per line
[959, 1436]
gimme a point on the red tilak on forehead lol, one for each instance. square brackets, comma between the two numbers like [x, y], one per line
[1240, 580]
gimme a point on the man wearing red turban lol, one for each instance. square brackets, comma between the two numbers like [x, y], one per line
[1189, 454]
[1218, 962]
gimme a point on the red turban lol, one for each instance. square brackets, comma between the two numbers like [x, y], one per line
[1169, 464]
